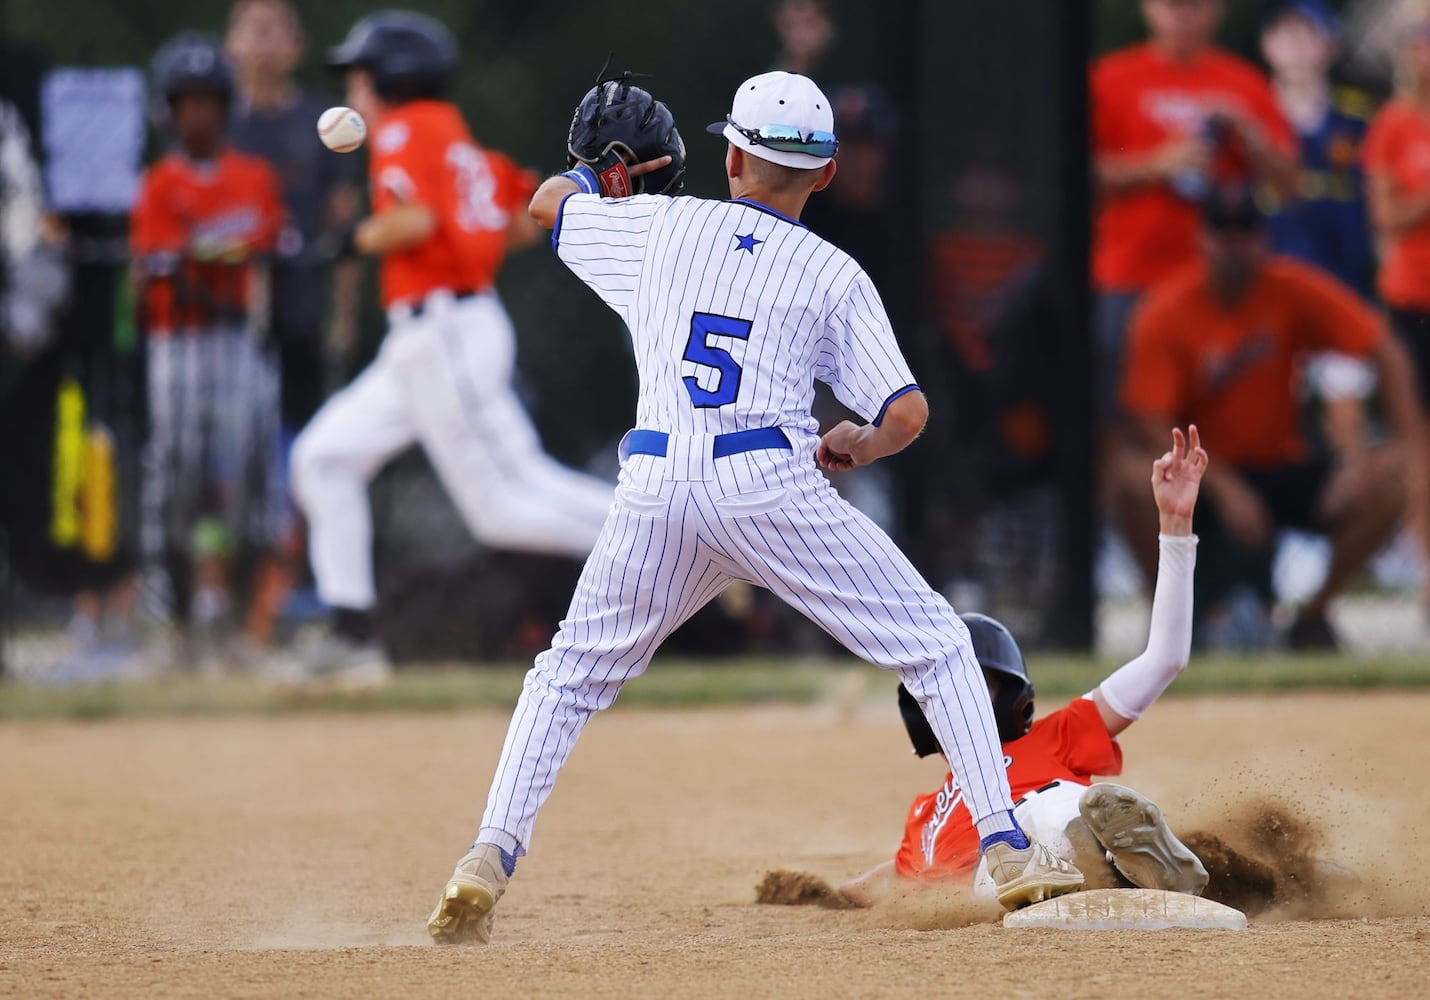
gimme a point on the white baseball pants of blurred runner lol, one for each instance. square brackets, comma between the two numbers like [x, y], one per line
[442, 379]
[683, 527]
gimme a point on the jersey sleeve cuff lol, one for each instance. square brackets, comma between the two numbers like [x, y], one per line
[879, 419]
[560, 213]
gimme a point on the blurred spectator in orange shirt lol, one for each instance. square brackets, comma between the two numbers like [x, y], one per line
[1220, 343]
[1397, 164]
[1170, 118]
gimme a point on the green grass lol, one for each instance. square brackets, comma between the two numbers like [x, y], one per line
[678, 684]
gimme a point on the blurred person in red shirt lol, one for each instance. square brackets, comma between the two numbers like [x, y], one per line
[204, 217]
[1170, 118]
[1221, 342]
[1397, 164]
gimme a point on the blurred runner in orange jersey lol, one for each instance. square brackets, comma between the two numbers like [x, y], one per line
[445, 211]
[1052, 763]
[423, 155]
[204, 215]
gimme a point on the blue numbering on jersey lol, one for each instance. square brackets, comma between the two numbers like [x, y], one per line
[699, 350]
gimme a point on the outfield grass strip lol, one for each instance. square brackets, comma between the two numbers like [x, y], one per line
[677, 684]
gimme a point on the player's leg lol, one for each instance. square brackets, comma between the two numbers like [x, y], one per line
[172, 469]
[1050, 816]
[335, 457]
[253, 505]
[837, 567]
[648, 573]
[1358, 501]
[482, 443]
[224, 377]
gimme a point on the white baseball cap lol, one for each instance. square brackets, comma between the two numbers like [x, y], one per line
[781, 117]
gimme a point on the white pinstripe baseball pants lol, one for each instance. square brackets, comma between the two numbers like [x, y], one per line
[442, 380]
[670, 546]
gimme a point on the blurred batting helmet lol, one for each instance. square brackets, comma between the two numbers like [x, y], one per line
[997, 652]
[191, 62]
[410, 55]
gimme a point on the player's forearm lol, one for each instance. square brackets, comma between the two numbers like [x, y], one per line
[1117, 174]
[1175, 525]
[1131, 690]
[1273, 165]
[1392, 212]
[394, 229]
[900, 426]
[1400, 394]
[546, 203]
[873, 887]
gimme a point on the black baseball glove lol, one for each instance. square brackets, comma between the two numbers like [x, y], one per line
[618, 124]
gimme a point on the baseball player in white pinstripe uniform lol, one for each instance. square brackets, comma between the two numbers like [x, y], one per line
[735, 309]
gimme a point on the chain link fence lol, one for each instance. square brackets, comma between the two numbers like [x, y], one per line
[965, 193]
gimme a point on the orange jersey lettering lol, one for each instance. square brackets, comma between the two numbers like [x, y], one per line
[195, 230]
[423, 153]
[940, 840]
[1231, 371]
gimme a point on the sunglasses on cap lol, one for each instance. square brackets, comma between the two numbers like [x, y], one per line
[788, 139]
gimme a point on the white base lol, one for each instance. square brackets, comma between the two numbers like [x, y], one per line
[1127, 909]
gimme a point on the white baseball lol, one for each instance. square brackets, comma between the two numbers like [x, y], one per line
[341, 129]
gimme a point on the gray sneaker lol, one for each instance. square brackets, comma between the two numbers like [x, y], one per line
[1138, 841]
[1029, 875]
[325, 661]
[464, 913]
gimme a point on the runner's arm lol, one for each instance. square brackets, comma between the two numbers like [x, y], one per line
[1126, 694]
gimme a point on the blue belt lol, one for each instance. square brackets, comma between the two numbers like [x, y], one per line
[643, 442]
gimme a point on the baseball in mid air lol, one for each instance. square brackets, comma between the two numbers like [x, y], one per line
[341, 129]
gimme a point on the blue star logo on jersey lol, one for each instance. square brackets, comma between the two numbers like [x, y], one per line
[746, 242]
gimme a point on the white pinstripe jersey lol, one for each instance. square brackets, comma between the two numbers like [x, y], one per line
[734, 310]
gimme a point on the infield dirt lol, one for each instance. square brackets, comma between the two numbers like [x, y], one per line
[300, 855]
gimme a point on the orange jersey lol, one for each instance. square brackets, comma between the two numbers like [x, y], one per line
[1397, 147]
[1071, 744]
[195, 229]
[423, 153]
[1140, 100]
[1232, 372]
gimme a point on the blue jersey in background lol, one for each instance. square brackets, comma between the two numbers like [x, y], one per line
[1328, 225]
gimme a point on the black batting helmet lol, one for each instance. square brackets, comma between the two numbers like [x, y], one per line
[616, 114]
[997, 652]
[190, 62]
[410, 55]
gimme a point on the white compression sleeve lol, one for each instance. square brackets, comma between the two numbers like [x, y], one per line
[1134, 687]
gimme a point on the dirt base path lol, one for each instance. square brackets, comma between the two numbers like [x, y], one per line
[299, 856]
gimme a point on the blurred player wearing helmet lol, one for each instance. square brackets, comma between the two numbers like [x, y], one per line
[204, 216]
[1052, 762]
[445, 212]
